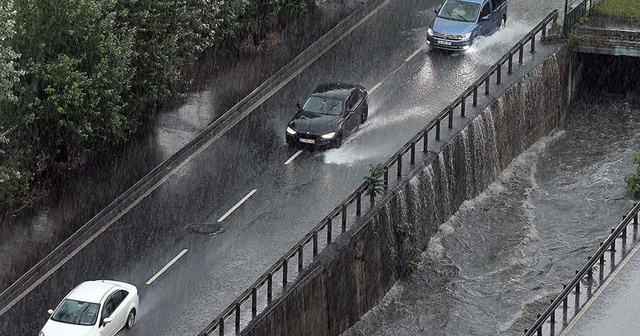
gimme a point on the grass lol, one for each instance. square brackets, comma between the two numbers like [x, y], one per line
[619, 8]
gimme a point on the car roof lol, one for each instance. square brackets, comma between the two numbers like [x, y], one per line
[91, 291]
[335, 90]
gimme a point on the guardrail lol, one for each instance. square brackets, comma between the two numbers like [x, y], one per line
[571, 17]
[586, 273]
[136, 192]
[341, 213]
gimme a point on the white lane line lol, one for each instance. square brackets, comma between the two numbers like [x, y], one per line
[412, 55]
[235, 207]
[293, 157]
[183, 163]
[599, 291]
[166, 266]
[375, 87]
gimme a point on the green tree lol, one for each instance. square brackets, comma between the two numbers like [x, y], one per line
[633, 181]
[77, 59]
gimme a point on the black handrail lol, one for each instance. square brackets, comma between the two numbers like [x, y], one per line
[571, 16]
[586, 270]
[312, 237]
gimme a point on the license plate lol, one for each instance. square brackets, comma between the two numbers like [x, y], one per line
[444, 42]
[309, 141]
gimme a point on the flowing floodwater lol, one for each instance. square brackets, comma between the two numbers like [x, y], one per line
[504, 255]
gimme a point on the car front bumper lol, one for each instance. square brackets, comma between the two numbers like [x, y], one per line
[456, 45]
[307, 139]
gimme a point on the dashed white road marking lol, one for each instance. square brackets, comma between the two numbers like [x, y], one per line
[235, 207]
[375, 87]
[166, 267]
[413, 55]
[293, 157]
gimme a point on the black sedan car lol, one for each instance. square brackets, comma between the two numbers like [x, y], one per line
[331, 112]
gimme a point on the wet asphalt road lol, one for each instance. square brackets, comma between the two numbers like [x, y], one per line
[289, 199]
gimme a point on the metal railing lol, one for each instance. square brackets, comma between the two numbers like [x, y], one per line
[547, 320]
[572, 16]
[339, 216]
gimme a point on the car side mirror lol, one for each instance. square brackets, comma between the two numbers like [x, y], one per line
[435, 11]
[50, 311]
[485, 18]
[298, 106]
[106, 320]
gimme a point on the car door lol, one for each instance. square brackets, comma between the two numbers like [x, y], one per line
[120, 313]
[351, 112]
[485, 26]
[108, 309]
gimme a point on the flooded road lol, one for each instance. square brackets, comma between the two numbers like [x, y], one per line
[505, 254]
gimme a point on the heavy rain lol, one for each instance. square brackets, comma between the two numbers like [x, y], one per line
[224, 214]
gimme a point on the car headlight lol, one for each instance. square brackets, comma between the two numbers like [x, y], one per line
[291, 131]
[329, 135]
[429, 31]
[464, 36]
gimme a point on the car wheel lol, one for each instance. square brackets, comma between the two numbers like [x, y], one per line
[503, 22]
[131, 319]
[365, 115]
[338, 141]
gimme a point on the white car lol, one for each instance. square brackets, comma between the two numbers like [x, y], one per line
[100, 307]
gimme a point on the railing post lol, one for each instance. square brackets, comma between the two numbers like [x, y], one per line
[544, 31]
[344, 217]
[510, 68]
[475, 95]
[463, 106]
[254, 302]
[329, 231]
[386, 179]
[533, 43]
[450, 118]
[486, 85]
[521, 54]
[315, 243]
[577, 284]
[425, 141]
[624, 233]
[284, 273]
[399, 173]
[499, 74]
[413, 153]
[438, 130]
[269, 288]
[221, 327]
[300, 258]
[359, 204]
[237, 319]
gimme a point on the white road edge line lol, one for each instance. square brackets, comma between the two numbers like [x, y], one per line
[166, 266]
[235, 207]
[599, 291]
[293, 157]
[375, 87]
[412, 55]
[196, 153]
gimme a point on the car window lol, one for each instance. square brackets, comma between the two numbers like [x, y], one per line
[352, 100]
[118, 297]
[485, 10]
[498, 3]
[459, 11]
[109, 307]
[323, 105]
[76, 312]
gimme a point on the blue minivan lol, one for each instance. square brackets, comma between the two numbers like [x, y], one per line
[458, 22]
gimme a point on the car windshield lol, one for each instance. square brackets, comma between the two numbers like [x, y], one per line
[323, 105]
[76, 312]
[459, 11]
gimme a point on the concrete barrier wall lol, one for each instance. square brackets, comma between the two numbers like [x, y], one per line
[352, 275]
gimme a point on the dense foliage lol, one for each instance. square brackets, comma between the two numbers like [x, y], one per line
[633, 181]
[78, 76]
